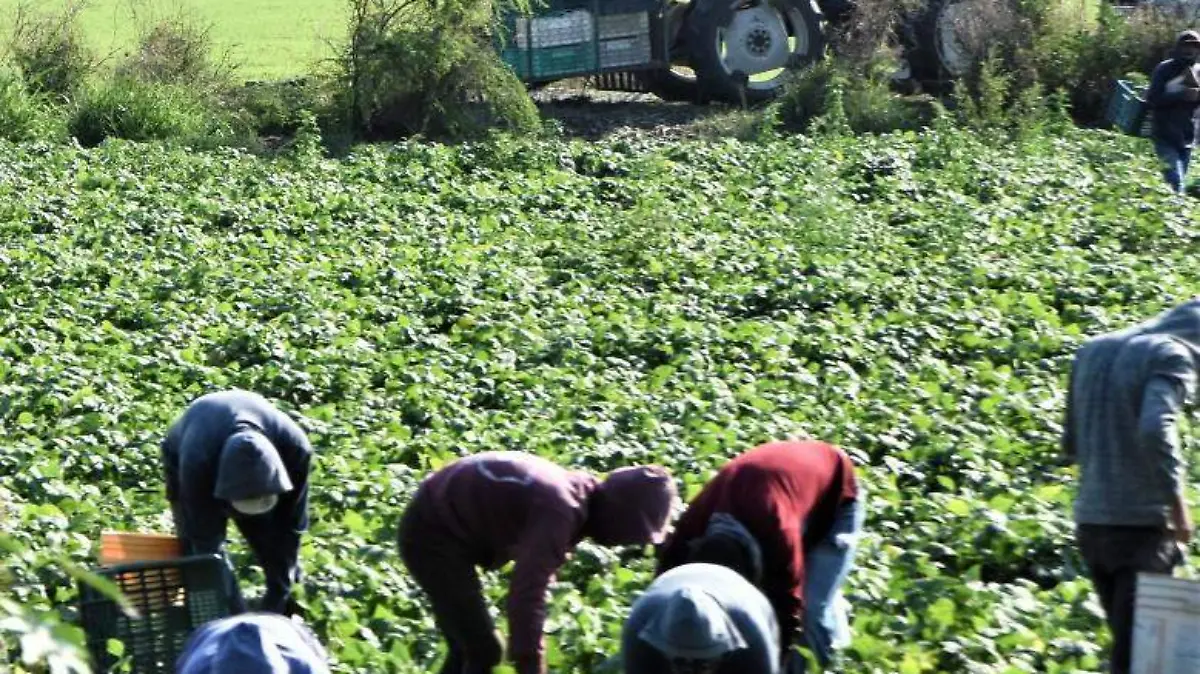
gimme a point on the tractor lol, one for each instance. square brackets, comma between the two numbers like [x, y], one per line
[737, 51]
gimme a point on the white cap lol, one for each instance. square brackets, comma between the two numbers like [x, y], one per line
[255, 506]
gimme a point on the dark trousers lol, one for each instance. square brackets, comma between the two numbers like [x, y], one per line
[1114, 557]
[446, 573]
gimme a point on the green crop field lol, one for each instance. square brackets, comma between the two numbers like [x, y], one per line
[913, 298]
[266, 38]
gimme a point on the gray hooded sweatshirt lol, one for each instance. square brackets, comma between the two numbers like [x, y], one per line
[1127, 391]
[235, 445]
[701, 612]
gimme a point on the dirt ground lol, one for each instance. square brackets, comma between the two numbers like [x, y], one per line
[591, 113]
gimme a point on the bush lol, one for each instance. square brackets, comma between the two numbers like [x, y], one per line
[277, 108]
[410, 70]
[140, 111]
[177, 51]
[25, 116]
[835, 95]
[49, 50]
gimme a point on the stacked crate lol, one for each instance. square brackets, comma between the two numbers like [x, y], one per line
[624, 40]
[571, 38]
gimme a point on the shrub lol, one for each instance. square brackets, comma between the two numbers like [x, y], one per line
[25, 115]
[177, 51]
[835, 96]
[49, 51]
[134, 110]
[276, 108]
[409, 70]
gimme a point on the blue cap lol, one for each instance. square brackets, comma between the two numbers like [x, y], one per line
[253, 643]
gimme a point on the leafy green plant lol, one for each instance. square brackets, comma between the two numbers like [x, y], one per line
[135, 110]
[49, 49]
[410, 68]
[914, 297]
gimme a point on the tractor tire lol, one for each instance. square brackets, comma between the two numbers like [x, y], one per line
[741, 49]
[672, 85]
[932, 50]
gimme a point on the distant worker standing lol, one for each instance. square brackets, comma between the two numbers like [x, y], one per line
[1127, 391]
[792, 511]
[1174, 97]
[494, 507]
[232, 454]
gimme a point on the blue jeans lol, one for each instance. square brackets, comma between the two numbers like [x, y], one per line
[827, 564]
[1175, 161]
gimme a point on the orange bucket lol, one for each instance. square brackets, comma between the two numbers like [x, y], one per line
[147, 591]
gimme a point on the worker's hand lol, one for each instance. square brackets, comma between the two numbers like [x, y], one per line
[1182, 519]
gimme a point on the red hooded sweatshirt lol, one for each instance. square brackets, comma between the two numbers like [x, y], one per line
[786, 494]
[505, 506]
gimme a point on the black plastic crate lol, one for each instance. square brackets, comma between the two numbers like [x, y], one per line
[173, 598]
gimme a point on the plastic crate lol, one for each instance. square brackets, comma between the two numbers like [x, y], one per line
[173, 598]
[558, 29]
[629, 24]
[562, 61]
[551, 44]
[626, 52]
[1127, 109]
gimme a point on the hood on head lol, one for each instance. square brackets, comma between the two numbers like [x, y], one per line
[1182, 323]
[727, 542]
[249, 468]
[631, 507]
[253, 644]
[692, 625]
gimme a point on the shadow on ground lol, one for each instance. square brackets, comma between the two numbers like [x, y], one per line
[593, 114]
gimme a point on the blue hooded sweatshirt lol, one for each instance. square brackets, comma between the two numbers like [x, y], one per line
[701, 612]
[253, 643]
[1128, 389]
[234, 445]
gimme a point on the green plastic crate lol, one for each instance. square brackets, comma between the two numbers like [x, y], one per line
[574, 59]
[1127, 109]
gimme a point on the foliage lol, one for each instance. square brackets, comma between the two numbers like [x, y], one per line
[836, 95]
[136, 110]
[180, 51]
[49, 49]
[915, 298]
[25, 115]
[412, 68]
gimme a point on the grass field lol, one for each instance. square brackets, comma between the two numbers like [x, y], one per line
[267, 38]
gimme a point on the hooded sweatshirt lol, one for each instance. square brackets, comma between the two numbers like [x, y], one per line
[1127, 391]
[786, 495]
[510, 506]
[1174, 120]
[253, 643]
[234, 445]
[701, 611]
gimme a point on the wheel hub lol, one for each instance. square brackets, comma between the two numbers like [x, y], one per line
[756, 41]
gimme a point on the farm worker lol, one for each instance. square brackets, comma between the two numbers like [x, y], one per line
[494, 507]
[701, 618]
[234, 455]
[1173, 97]
[795, 508]
[253, 643]
[1126, 394]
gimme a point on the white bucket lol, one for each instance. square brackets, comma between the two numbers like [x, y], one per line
[1166, 625]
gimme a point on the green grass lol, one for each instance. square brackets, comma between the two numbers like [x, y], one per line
[267, 38]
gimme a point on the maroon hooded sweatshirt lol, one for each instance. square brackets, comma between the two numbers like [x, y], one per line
[511, 506]
[786, 494]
